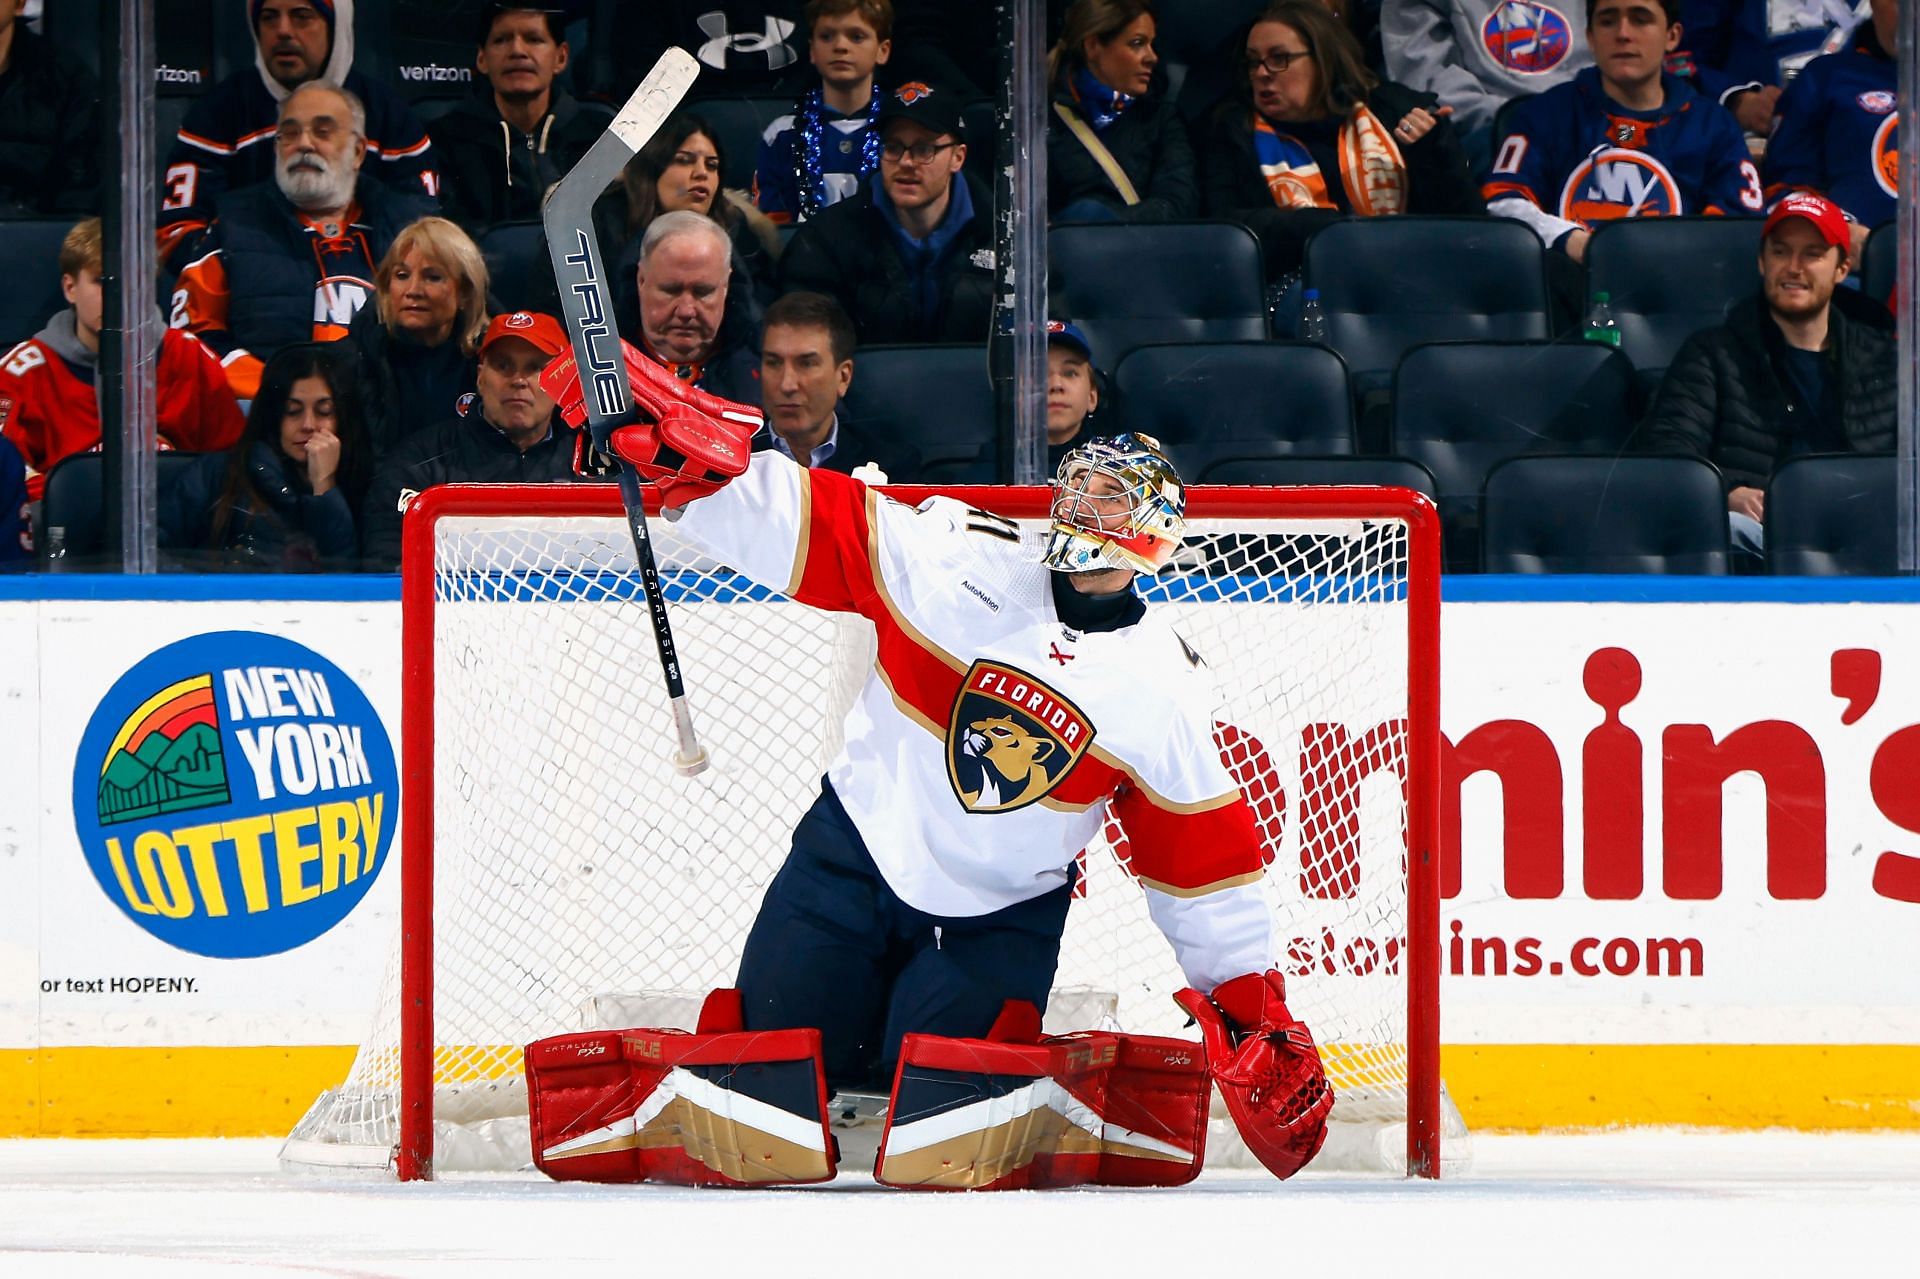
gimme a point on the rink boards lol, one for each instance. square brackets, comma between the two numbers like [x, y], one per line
[1685, 888]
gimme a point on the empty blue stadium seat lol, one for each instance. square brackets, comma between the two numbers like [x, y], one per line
[1460, 408]
[1878, 262]
[1301, 469]
[1212, 402]
[1605, 515]
[1389, 284]
[517, 267]
[937, 398]
[73, 506]
[1667, 278]
[1833, 514]
[1130, 284]
[30, 264]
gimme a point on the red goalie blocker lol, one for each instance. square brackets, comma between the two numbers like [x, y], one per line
[714, 1107]
[686, 442]
[1016, 1112]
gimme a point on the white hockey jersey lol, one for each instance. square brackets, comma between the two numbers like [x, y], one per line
[985, 750]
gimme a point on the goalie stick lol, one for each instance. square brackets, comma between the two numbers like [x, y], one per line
[567, 218]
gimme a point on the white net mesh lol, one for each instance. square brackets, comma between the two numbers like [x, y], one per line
[578, 879]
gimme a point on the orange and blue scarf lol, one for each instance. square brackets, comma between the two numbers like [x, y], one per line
[1372, 170]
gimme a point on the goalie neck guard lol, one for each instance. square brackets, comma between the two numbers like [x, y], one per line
[1136, 521]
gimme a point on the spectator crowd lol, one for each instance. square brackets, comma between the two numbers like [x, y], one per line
[358, 305]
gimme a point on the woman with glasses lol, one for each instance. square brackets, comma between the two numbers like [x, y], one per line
[1116, 150]
[1313, 135]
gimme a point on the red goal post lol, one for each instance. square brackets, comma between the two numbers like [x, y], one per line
[575, 888]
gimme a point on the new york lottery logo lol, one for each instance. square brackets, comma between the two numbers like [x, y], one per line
[235, 794]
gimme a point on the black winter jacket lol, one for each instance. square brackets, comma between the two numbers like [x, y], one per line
[49, 131]
[472, 144]
[269, 258]
[1728, 398]
[460, 450]
[294, 532]
[1148, 141]
[851, 253]
[404, 388]
[1438, 180]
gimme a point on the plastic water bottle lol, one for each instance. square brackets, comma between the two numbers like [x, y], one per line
[1601, 326]
[1313, 319]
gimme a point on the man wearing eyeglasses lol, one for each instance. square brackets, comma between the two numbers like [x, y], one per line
[226, 141]
[292, 260]
[910, 257]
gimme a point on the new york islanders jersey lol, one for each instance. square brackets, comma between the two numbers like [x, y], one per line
[1837, 132]
[985, 750]
[50, 410]
[843, 162]
[1576, 158]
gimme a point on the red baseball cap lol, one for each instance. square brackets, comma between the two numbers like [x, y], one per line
[1822, 212]
[539, 329]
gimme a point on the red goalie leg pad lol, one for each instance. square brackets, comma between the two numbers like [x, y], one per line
[732, 1109]
[1089, 1109]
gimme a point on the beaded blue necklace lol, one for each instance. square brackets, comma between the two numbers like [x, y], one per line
[810, 122]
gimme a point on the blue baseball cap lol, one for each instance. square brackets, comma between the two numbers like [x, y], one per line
[1067, 333]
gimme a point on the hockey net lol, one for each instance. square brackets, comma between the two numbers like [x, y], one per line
[557, 874]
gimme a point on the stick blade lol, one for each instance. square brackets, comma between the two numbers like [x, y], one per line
[654, 101]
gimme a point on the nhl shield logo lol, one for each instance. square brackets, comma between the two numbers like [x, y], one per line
[1010, 739]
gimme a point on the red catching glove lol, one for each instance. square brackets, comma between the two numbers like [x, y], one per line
[1267, 1068]
[687, 443]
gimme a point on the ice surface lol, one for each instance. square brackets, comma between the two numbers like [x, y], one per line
[1653, 1202]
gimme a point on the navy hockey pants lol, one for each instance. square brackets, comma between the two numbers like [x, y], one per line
[833, 947]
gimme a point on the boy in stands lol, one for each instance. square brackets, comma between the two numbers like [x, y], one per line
[47, 403]
[1623, 139]
[820, 153]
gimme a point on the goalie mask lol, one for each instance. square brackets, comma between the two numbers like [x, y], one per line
[1117, 503]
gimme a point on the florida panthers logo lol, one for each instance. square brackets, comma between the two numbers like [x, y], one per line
[1010, 739]
[1618, 183]
[1530, 39]
[1886, 156]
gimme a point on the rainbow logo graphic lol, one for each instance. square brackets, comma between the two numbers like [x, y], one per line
[167, 757]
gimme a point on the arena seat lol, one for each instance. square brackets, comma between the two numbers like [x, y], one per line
[739, 121]
[30, 257]
[1128, 284]
[1878, 262]
[1833, 514]
[1667, 278]
[1460, 408]
[1208, 402]
[1604, 515]
[982, 139]
[1304, 469]
[75, 504]
[1389, 284]
[517, 269]
[937, 398]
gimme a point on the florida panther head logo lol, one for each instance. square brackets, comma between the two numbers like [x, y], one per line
[1009, 758]
[1010, 739]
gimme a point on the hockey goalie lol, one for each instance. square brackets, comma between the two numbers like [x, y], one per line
[1023, 691]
